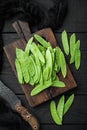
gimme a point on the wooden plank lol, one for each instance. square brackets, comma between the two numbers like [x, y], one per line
[63, 127]
[76, 20]
[76, 115]
[48, 127]
[49, 93]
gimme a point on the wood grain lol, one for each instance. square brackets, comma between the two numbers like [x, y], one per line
[51, 92]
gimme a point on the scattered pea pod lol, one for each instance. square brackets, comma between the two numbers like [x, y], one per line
[54, 114]
[19, 72]
[68, 104]
[42, 41]
[65, 42]
[60, 107]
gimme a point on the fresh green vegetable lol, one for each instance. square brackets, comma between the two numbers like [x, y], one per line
[60, 107]
[57, 83]
[65, 42]
[63, 64]
[68, 103]
[72, 47]
[54, 113]
[42, 41]
[77, 58]
[19, 72]
[27, 49]
[36, 52]
[41, 87]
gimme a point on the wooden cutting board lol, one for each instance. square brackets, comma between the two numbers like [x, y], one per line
[23, 30]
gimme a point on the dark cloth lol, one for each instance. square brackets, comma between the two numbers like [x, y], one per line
[39, 14]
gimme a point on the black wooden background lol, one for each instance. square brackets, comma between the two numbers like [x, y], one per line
[76, 118]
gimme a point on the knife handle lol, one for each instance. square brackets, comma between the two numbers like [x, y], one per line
[27, 116]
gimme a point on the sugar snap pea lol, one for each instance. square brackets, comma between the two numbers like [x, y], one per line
[65, 42]
[27, 49]
[54, 113]
[57, 59]
[77, 58]
[60, 107]
[72, 47]
[22, 57]
[39, 88]
[42, 41]
[68, 104]
[48, 70]
[19, 71]
[36, 52]
[35, 77]
[63, 64]
[57, 83]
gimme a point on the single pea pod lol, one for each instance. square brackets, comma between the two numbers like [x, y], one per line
[57, 83]
[77, 58]
[77, 45]
[68, 104]
[47, 72]
[42, 41]
[35, 77]
[22, 57]
[54, 113]
[40, 87]
[19, 53]
[72, 47]
[60, 107]
[65, 42]
[41, 48]
[57, 59]
[63, 64]
[36, 52]
[19, 71]
[38, 66]
[27, 49]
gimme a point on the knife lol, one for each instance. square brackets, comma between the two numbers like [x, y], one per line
[15, 103]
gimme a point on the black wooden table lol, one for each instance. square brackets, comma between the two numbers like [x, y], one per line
[76, 118]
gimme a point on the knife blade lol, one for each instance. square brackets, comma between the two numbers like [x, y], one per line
[15, 103]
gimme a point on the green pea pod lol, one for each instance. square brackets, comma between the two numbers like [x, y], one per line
[27, 49]
[36, 52]
[41, 48]
[54, 113]
[54, 75]
[77, 58]
[72, 43]
[31, 66]
[60, 107]
[77, 45]
[42, 41]
[68, 104]
[57, 83]
[65, 42]
[73, 48]
[38, 66]
[39, 88]
[35, 77]
[22, 57]
[57, 59]
[25, 71]
[63, 64]
[19, 53]
[19, 71]
[46, 73]
[48, 70]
